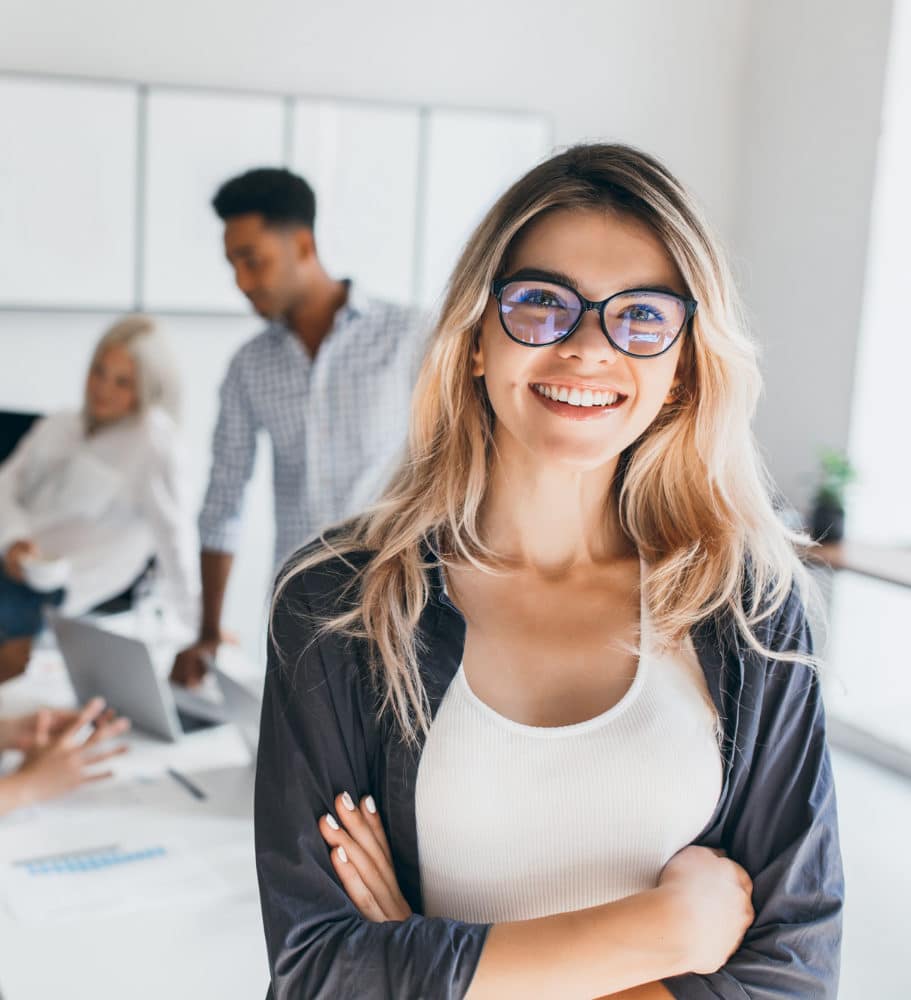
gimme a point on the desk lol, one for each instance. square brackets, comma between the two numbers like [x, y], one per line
[881, 562]
[200, 944]
[864, 646]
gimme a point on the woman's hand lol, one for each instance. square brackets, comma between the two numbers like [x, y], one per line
[715, 909]
[66, 761]
[362, 860]
[31, 732]
[711, 893]
[14, 556]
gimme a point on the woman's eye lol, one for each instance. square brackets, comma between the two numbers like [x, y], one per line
[539, 297]
[643, 314]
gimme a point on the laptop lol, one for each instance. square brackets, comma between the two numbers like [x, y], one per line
[120, 669]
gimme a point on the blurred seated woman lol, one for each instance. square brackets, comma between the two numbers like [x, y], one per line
[87, 499]
[58, 756]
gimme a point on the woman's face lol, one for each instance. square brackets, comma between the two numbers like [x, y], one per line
[600, 253]
[111, 390]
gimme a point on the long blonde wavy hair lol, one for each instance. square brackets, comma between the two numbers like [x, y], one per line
[691, 492]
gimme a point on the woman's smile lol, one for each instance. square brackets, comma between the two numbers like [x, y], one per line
[573, 401]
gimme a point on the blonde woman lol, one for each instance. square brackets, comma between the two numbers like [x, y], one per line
[567, 645]
[87, 498]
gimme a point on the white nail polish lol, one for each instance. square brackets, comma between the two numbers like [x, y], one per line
[332, 821]
[370, 804]
[342, 856]
[348, 802]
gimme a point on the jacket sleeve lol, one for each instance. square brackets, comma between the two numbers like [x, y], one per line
[782, 827]
[319, 736]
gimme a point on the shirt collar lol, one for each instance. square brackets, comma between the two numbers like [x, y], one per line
[356, 304]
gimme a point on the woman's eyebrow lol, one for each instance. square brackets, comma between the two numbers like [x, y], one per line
[560, 278]
[542, 274]
[648, 286]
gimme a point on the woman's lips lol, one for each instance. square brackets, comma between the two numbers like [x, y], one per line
[580, 404]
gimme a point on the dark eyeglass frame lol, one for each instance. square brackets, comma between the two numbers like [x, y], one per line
[497, 286]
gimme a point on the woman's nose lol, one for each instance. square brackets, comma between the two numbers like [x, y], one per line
[589, 342]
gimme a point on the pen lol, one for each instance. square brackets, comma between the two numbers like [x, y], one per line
[190, 786]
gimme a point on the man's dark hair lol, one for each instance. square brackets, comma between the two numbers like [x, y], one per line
[280, 197]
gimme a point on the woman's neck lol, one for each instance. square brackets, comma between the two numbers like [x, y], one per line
[552, 518]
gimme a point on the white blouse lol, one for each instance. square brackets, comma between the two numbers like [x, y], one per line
[106, 502]
[518, 821]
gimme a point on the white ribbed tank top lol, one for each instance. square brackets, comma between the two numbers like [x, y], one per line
[517, 821]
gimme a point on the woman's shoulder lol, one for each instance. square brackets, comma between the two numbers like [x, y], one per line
[61, 423]
[781, 611]
[159, 425]
[318, 585]
[781, 641]
[54, 433]
[323, 576]
[156, 433]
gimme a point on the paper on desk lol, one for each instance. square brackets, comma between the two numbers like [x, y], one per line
[115, 878]
[108, 847]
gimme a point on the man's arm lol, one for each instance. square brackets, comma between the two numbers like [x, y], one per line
[233, 455]
[191, 664]
[215, 568]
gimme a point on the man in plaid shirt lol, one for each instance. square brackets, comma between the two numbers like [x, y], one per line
[329, 380]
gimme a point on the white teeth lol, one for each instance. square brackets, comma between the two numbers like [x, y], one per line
[576, 397]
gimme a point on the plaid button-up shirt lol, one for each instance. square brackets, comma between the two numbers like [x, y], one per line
[337, 423]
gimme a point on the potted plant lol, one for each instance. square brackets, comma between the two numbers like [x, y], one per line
[828, 522]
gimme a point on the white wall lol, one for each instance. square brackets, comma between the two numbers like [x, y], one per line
[657, 73]
[879, 511]
[811, 121]
[662, 75]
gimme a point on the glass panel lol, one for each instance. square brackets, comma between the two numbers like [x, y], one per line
[195, 142]
[362, 162]
[472, 157]
[67, 194]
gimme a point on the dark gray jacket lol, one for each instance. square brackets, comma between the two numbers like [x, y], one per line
[320, 735]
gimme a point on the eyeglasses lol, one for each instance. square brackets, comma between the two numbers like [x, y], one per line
[639, 322]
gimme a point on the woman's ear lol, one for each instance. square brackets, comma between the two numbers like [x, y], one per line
[477, 355]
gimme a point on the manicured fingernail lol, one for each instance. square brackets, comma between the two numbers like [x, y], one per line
[348, 802]
[342, 856]
[332, 821]
[370, 804]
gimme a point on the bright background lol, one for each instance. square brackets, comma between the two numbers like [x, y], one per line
[790, 121]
